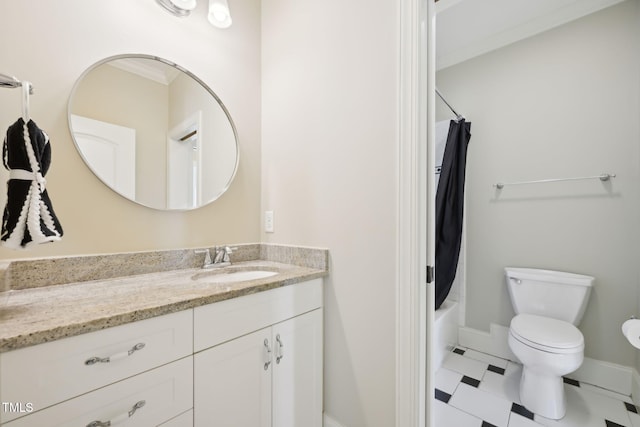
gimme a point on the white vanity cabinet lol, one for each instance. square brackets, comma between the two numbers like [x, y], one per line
[264, 368]
[102, 375]
[254, 360]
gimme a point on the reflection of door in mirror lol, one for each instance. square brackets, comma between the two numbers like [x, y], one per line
[111, 149]
[184, 164]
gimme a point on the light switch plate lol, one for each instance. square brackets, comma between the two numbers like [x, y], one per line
[268, 221]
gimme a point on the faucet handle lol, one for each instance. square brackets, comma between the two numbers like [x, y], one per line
[228, 251]
[220, 253]
[207, 255]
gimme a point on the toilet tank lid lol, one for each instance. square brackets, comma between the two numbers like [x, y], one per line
[547, 332]
[549, 276]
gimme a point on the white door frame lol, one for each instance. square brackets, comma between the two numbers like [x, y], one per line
[174, 145]
[416, 219]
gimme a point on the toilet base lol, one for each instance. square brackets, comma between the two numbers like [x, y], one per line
[543, 394]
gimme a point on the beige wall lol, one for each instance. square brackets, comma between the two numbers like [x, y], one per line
[330, 161]
[637, 43]
[329, 174]
[133, 101]
[561, 104]
[52, 43]
[330, 130]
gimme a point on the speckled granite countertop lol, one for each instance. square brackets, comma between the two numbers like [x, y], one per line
[34, 315]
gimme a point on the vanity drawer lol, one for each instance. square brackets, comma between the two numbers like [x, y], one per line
[226, 320]
[46, 374]
[158, 395]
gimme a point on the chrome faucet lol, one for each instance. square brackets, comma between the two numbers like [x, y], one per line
[220, 259]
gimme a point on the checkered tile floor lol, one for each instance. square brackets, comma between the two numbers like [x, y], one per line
[474, 389]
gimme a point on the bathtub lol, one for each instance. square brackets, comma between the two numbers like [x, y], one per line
[445, 332]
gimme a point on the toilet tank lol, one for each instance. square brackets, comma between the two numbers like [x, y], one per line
[554, 294]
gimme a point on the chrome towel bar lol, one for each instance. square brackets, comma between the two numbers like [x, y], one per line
[602, 177]
[7, 81]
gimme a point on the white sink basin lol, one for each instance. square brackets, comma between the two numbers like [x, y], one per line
[232, 276]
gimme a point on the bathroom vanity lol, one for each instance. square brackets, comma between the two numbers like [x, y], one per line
[184, 347]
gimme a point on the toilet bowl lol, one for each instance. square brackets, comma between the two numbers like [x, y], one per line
[548, 349]
[543, 334]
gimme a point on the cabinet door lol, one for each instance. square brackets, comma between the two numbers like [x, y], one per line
[297, 371]
[231, 385]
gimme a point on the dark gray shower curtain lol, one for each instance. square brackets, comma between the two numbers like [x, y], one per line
[450, 207]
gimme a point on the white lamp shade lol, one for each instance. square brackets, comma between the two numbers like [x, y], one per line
[219, 15]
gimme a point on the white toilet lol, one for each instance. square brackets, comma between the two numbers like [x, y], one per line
[543, 334]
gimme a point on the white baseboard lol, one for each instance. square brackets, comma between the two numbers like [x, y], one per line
[635, 387]
[494, 342]
[330, 422]
[611, 376]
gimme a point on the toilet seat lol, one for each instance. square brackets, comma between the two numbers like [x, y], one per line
[547, 334]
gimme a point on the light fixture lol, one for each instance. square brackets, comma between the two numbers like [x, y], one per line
[178, 7]
[219, 15]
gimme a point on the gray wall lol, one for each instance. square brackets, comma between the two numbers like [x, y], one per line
[561, 104]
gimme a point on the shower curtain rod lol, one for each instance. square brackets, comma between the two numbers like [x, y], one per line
[11, 82]
[458, 116]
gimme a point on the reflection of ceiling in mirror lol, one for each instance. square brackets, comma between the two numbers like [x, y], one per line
[468, 28]
[157, 71]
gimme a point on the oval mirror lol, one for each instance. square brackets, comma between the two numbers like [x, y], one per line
[153, 132]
